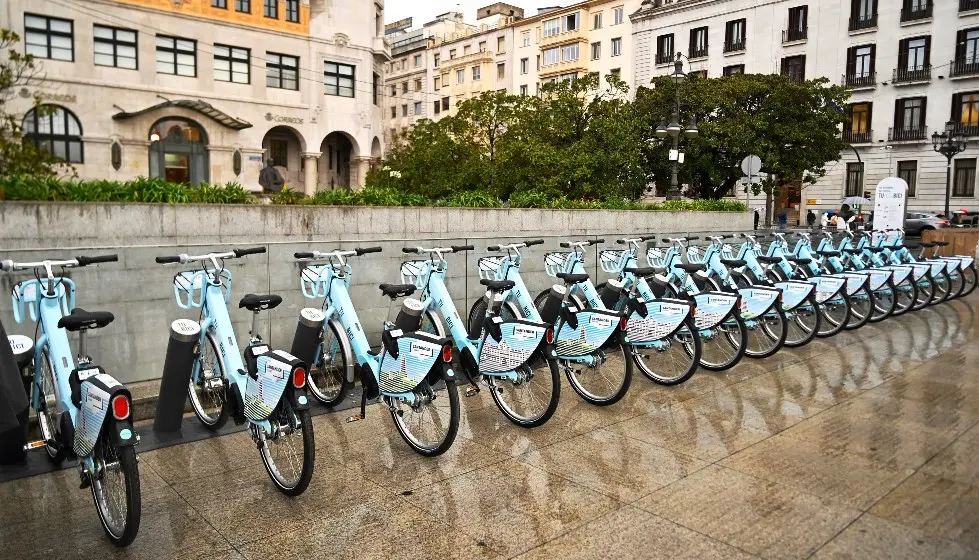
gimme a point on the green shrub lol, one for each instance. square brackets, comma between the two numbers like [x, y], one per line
[288, 196]
[471, 199]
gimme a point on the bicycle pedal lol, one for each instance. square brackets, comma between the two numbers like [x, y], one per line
[355, 418]
[472, 390]
[31, 445]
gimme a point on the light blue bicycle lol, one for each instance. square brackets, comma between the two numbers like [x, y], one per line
[81, 410]
[412, 373]
[264, 388]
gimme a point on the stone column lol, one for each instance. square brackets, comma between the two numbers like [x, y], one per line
[359, 168]
[311, 173]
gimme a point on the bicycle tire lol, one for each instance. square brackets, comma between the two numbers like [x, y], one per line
[941, 288]
[58, 452]
[305, 425]
[692, 348]
[865, 309]
[926, 291]
[534, 420]
[835, 315]
[725, 334]
[768, 328]
[905, 295]
[210, 423]
[882, 312]
[440, 447]
[956, 284]
[799, 322]
[329, 399]
[968, 280]
[129, 466]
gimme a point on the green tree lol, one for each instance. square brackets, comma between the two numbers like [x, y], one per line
[792, 127]
[17, 157]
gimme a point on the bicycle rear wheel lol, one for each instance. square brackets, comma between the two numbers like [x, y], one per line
[430, 425]
[608, 380]
[941, 288]
[956, 284]
[835, 315]
[116, 490]
[210, 405]
[289, 454]
[724, 345]
[885, 301]
[767, 334]
[674, 360]
[905, 295]
[803, 323]
[861, 309]
[968, 280]
[531, 400]
[327, 375]
[926, 291]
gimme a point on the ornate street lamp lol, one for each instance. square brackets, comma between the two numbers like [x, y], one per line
[675, 129]
[950, 144]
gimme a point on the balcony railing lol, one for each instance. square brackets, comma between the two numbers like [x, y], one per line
[909, 75]
[907, 134]
[698, 53]
[664, 58]
[915, 14]
[966, 5]
[858, 136]
[789, 35]
[735, 46]
[867, 80]
[967, 129]
[965, 67]
[863, 22]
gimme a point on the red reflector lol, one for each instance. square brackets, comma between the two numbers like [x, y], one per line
[299, 378]
[446, 354]
[623, 323]
[549, 336]
[120, 407]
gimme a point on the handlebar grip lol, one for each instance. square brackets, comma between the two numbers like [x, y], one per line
[566, 244]
[648, 237]
[620, 241]
[367, 250]
[665, 240]
[168, 260]
[461, 248]
[728, 236]
[533, 242]
[303, 255]
[252, 251]
[410, 250]
[85, 261]
[493, 248]
[596, 241]
[694, 238]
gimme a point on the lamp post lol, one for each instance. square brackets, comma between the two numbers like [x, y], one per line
[950, 144]
[674, 130]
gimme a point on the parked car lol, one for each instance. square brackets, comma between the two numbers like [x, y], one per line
[916, 223]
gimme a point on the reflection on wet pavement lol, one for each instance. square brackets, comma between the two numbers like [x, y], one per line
[865, 445]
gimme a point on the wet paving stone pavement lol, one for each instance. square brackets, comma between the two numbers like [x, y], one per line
[865, 445]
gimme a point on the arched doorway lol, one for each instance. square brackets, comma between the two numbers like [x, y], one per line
[284, 146]
[376, 153]
[338, 153]
[178, 151]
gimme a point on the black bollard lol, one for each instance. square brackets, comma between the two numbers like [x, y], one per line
[177, 369]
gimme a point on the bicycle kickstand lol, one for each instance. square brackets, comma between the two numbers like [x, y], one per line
[363, 409]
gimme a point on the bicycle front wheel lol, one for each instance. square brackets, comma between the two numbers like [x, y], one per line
[803, 323]
[289, 453]
[905, 295]
[926, 291]
[672, 360]
[209, 404]
[968, 280]
[429, 425]
[724, 345]
[608, 379]
[861, 309]
[885, 302]
[531, 399]
[835, 315]
[941, 288]
[767, 333]
[956, 284]
[116, 491]
[328, 372]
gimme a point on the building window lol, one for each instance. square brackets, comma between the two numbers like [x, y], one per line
[501, 71]
[232, 64]
[272, 9]
[908, 170]
[281, 71]
[482, 46]
[223, 4]
[292, 11]
[617, 72]
[552, 27]
[551, 56]
[467, 50]
[569, 52]
[404, 87]
[418, 107]
[500, 45]
[394, 91]
[524, 65]
[445, 103]
[376, 88]
[418, 61]
[966, 52]
[860, 66]
[597, 21]
[525, 38]
[733, 70]
[476, 73]
[176, 56]
[698, 42]
[115, 47]
[619, 15]
[854, 179]
[452, 54]
[965, 111]
[438, 107]
[394, 112]
[338, 79]
[404, 110]
[913, 60]
[909, 119]
[794, 67]
[46, 37]
[418, 85]
[460, 76]
[617, 46]
[798, 24]
[279, 152]
[863, 14]
[735, 38]
[55, 130]
[438, 80]
[523, 90]
[856, 129]
[596, 51]
[243, 6]
[964, 182]
[664, 49]
[436, 59]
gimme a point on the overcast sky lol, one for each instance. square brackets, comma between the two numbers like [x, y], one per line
[425, 10]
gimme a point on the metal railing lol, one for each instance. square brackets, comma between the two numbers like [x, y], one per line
[789, 35]
[698, 53]
[912, 14]
[967, 129]
[664, 58]
[966, 5]
[965, 67]
[858, 137]
[863, 22]
[734, 46]
[906, 75]
[865, 80]
[907, 134]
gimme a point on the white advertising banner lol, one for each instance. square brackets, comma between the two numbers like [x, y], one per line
[890, 204]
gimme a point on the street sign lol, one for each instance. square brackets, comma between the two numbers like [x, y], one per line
[890, 203]
[751, 165]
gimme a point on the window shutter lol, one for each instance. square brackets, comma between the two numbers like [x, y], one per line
[927, 51]
[902, 54]
[851, 61]
[960, 45]
[898, 114]
[693, 44]
[873, 59]
[956, 115]
[923, 118]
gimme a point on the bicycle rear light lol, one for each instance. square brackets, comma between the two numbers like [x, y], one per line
[623, 323]
[120, 407]
[447, 353]
[299, 378]
[549, 335]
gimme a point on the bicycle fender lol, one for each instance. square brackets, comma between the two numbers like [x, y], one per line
[758, 300]
[920, 270]
[519, 339]
[664, 317]
[417, 355]
[901, 273]
[937, 267]
[854, 281]
[264, 391]
[713, 308]
[122, 432]
[96, 391]
[879, 278]
[827, 287]
[966, 262]
[592, 330]
[794, 293]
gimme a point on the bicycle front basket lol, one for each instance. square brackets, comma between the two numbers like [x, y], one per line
[490, 268]
[554, 263]
[655, 256]
[411, 272]
[611, 260]
[312, 279]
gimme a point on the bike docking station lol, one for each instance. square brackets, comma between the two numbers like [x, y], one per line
[177, 370]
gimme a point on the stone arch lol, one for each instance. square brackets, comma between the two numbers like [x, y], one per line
[285, 146]
[339, 161]
[178, 150]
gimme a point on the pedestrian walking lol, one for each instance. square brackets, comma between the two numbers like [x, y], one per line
[783, 218]
[810, 219]
[270, 179]
[757, 218]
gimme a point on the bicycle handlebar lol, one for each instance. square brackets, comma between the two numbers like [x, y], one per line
[316, 255]
[367, 250]
[515, 246]
[233, 254]
[251, 251]
[450, 249]
[85, 261]
[168, 260]
[570, 244]
[79, 261]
